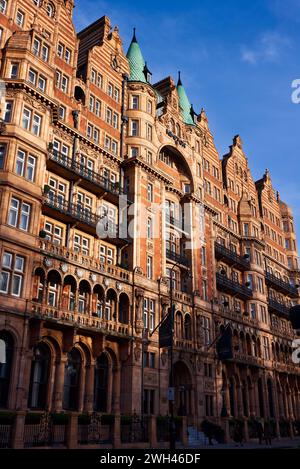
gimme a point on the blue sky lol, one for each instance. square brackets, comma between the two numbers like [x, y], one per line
[238, 60]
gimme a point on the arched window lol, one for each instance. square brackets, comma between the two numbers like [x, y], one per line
[50, 10]
[179, 325]
[72, 380]
[39, 379]
[54, 282]
[101, 383]
[187, 327]
[110, 306]
[38, 285]
[84, 297]
[69, 293]
[37, 3]
[98, 301]
[124, 309]
[6, 356]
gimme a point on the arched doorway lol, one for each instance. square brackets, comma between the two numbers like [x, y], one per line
[101, 383]
[72, 380]
[6, 347]
[183, 389]
[40, 368]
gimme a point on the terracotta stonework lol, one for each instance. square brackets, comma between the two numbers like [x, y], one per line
[77, 311]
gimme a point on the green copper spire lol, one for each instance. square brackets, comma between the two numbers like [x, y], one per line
[136, 61]
[184, 103]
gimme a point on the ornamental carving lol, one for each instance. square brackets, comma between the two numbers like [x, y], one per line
[63, 135]
[35, 104]
[139, 301]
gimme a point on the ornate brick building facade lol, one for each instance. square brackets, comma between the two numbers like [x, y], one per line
[82, 125]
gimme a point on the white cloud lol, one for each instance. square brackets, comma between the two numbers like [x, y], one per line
[268, 48]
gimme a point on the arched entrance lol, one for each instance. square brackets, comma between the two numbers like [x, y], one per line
[183, 390]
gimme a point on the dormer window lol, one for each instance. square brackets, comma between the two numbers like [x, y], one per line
[147, 73]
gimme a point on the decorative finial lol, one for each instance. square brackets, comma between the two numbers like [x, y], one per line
[134, 36]
[179, 79]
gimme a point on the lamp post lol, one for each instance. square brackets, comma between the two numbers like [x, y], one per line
[171, 381]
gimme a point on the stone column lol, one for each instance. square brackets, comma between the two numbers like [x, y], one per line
[59, 384]
[116, 389]
[117, 432]
[152, 431]
[72, 431]
[240, 409]
[82, 389]
[89, 388]
[17, 441]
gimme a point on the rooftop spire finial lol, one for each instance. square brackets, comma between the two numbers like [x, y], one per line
[179, 79]
[134, 36]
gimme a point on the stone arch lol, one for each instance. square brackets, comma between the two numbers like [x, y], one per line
[98, 300]
[111, 299]
[183, 384]
[84, 295]
[54, 285]
[181, 161]
[69, 293]
[38, 284]
[79, 95]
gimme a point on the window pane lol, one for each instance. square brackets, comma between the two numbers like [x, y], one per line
[16, 285]
[4, 281]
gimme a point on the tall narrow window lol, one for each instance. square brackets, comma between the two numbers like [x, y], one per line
[101, 383]
[149, 267]
[72, 380]
[40, 368]
[6, 347]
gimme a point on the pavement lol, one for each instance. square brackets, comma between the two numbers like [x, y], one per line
[283, 443]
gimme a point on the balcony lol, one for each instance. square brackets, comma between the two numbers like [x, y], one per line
[231, 287]
[231, 258]
[85, 220]
[88, 179]
[80, 321]
[281, 286]
[62, 253]
[178, 258]
[278, 308]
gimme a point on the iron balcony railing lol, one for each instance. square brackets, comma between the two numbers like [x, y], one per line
[79, 213]
[278, 308]
[233, 288]
[231, 257]
[179, 258]
[86, 173]
[281, 285]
